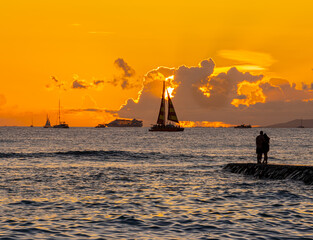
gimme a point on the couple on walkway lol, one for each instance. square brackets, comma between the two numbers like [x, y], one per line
[262, 147]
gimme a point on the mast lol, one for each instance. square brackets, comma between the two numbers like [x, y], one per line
[59, 111]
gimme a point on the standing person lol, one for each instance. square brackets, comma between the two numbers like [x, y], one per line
[266, 147]
[259, 146]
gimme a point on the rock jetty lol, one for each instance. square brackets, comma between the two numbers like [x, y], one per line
[272, 171]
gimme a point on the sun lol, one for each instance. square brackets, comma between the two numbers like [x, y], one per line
[169, 89]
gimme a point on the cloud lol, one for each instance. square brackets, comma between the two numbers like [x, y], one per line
[243, 56]
[233, 96]
[57, 83]
[79, 84]
[128, 71]
[83, 84]
[224, 87]
[127, 79]
[99, 110]
[278, 89]
[98, 82]
[187, 94]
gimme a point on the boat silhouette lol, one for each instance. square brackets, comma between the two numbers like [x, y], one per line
[162, 125]
[48, 124]
[243, 126]
[61, 124]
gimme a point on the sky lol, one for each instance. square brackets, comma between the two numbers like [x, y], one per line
[229, 62]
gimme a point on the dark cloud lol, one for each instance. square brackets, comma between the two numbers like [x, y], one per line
[58, 83]
[79, 84]
[83, 84]
[128, 71]
[224, 87]
[98, 82]
[187, 95]
[99, 110]
[127, 79]
[54, 79]
[260, 102]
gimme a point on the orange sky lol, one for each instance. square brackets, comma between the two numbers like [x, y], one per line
[81, 41]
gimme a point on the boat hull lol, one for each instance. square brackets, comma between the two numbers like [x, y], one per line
[243, 126]
[167, 128]
[61, 126]
[119, 122]
[101, 126]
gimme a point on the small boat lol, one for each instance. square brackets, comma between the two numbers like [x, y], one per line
[301, 126]
[243, 126]
[48, 124]
[161, 125]
[101, 126]
[61, 124]
[32, 125]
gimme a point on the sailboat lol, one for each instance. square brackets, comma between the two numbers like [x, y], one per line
[301, 126]
[61, 124]
[32, 125]
[161, 125]
[48, 124]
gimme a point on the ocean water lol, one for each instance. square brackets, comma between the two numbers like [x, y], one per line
[129, 183]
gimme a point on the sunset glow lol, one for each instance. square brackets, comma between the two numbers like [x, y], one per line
[100, 58]
[169, 91]
[252, 92]
[192, 124]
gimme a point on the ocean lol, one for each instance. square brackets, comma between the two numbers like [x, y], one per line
[129, 183]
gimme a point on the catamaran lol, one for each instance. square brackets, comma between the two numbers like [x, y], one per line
[162, 125]
[48, 124]
[61, 124]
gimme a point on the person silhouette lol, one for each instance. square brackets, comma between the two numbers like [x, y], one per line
[266, 147]
[259, 146]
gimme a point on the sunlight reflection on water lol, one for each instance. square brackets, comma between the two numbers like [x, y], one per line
[85, 183]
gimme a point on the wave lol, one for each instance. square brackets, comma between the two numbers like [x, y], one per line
[93, 154]
[84, 153]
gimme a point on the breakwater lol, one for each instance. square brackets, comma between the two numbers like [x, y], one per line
[272, 171]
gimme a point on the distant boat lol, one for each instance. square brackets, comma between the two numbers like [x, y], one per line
[61, 124]
[161, 125]
[301, 126]
[101, 126]
[124, 122]
[243, 126]
[32, 125]
[48, 124]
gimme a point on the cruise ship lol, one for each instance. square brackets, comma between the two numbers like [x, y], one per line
[124, 122]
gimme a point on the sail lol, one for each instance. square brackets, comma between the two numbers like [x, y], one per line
[171, 111]
[161, 118]
[48, 124]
